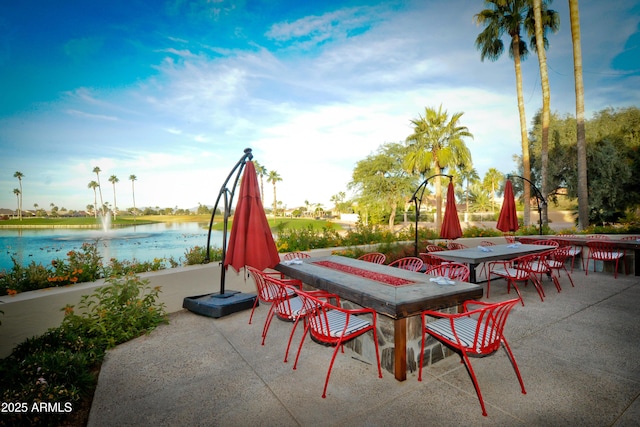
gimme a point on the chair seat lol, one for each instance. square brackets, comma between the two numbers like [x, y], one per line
[510, 272]
[466, 328]
[607, 256]
[338, 319]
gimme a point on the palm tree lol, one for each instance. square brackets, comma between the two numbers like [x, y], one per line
[133, 178]
[113, 179]
[16, 191]
[508, 17]
[273, 178]
[261, 171]
[583, 189]
[469, 174]
[436, 144]
[97, 171]
[543, 18]
[491, 181]
[93, 185]
[19, 175]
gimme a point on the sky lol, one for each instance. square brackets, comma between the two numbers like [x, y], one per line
[174, 91]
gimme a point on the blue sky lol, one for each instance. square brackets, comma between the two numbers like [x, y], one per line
[173, 91]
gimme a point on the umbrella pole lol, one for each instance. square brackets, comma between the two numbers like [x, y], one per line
[540, 201]
[417, 203]
[227, 195]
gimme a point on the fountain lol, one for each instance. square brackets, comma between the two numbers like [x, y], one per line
[106, 221]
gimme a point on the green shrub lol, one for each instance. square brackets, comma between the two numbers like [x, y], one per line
[196, 255]
[61, 365]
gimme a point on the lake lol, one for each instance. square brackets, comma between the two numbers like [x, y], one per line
[142, 242]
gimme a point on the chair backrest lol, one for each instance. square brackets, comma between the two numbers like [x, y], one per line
[293, 255]
[631, 238]
[408, 263]
[598, 236]
[454, 246]
[600, 248]
[430, 260]
[546, 242]
[562, 253]
[487, 243]
[527, 240]
[374, 257]
[452, 270]
[434, 248]
[491, 319]
[509, 238]
[267, 291]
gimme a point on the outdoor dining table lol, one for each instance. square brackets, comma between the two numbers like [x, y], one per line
[476, 256]
[392, 292]
[633, 245]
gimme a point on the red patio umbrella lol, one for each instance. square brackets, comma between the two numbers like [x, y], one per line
[250, 242]
[451, 223]
[508, 219]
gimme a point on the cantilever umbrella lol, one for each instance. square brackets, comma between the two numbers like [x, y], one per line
[250, 242]
[508, 219]
[451, 223]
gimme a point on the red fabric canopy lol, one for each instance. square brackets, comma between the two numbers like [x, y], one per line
[250, 242]
[508, 219]
[451, 223]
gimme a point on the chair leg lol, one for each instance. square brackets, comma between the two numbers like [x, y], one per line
[267, 322]
[515, 286]
[333, 359]
[255, 304]
[422, 349]
[514, 364]
[467, 363]
[304, 335]
[293, 330]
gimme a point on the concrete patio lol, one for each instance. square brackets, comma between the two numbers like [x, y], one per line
[577, 351]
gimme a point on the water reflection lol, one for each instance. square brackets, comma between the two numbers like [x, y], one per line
[142, 242]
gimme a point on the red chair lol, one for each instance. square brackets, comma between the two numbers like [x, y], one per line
[483, 270]
[558, 260]
[573, 251]
[539, 266]
[510, 238]
[528, 240]
[334, 325]
[374, 257]
[453, 246]
[513, 271]
[408, 263]
[295, 255]
[604, 250]
[430, 260]
[266, 292]
[435, 248]
[598, 237]
[452, 270]
[475, 332]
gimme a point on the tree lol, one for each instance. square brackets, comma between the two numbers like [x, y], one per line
[435, 145]
[491, 182]
[383, 182]
[338, 201]
[113, 179]
[273, 178]
[17, 192]
[583, 189]
[133, 178]
[261, 171]
[469, 175]
[97, 171]
[19, 175]
[543, 19]
[93, 185]
[508, 17]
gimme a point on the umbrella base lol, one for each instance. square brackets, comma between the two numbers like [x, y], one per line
[219, 305]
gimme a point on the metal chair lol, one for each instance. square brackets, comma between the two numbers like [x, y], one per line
[334, 325]
[295, 255]
[435, 248]
[430, 260]
[374, 257]
[558, 260]
[604, 250]
[408, 263]
[510, 238]
[452, 270]
[513, 271]
[454, 246]
[483, 270]
[574, 250]
[476, 332]
[266, 291]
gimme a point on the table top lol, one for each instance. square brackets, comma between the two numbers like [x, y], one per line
[580, 240]
[497, 252]
[396, 301]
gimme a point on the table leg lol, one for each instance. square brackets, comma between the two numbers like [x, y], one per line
[472, 273]
[400, 347]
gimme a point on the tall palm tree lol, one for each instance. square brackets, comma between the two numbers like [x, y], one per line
[491, 180]
[261, 171]
[16, 191]
[468, 174]
[435, 145]
[113, 179]
[583, 189]
[97, 171]
[273, 178]
[93, 185]
[543, 18]
[508, 17]
[19, 175]
[133, 178]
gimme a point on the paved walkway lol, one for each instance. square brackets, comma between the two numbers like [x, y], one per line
[577, 351]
